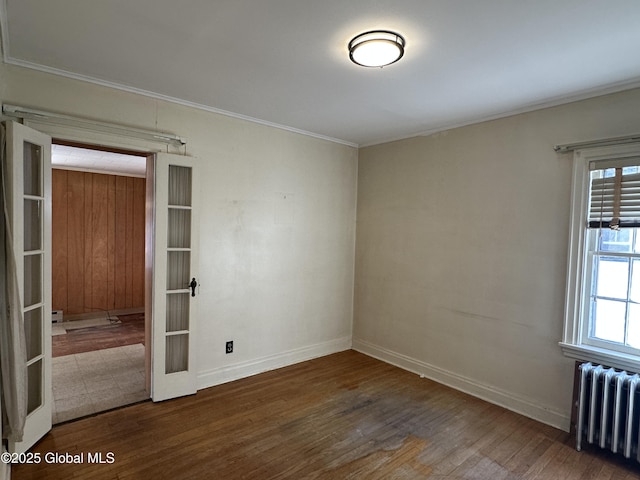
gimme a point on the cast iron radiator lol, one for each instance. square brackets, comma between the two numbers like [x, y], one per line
[608, 409]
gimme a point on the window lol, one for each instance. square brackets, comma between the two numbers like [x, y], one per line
[602, 314]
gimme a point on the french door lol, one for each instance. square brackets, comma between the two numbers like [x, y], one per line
[175, 292]
[173, 260]
[28, 162]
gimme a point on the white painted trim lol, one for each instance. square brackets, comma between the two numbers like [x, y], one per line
[601, 142]
[158, 96]
[575, 342]
[229, 373]
[26, 113]
[508, 400]
[103, 139]
[601, 356]
[575, 256]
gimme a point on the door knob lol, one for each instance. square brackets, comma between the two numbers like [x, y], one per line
[193, 286]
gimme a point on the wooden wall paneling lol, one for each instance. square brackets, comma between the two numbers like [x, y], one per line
[138, 241]
[76, 242]
[59, 240]
[129, 265]
[120, 242]
[100, 244]
[88, 243]
[111, 235]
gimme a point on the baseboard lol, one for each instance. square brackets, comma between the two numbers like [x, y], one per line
[489, 393]
[102, 314]
[237, 371]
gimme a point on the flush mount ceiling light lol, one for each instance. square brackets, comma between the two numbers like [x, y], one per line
[377, 48]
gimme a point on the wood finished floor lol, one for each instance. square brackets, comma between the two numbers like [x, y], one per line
[344, 416]
[129, 331]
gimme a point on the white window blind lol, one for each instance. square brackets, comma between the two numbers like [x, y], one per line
[615, 195]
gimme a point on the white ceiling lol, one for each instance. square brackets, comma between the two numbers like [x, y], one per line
[83, 159]
[285, 62]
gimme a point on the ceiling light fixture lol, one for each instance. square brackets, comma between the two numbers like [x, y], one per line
[377, 48]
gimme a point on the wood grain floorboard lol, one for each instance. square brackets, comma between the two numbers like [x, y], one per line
[343, 416]
[129, 331]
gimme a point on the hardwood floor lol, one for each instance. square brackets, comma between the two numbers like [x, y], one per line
[129, 331]
[344, 416]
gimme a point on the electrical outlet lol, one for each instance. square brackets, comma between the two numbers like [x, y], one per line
[230, 347]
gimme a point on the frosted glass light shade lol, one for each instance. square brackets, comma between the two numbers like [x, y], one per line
[376, 48]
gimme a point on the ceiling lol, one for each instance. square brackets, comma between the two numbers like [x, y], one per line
[97, 161]
[285, 62]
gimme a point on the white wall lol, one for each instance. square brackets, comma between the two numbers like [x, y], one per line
[462, 250]
[276, 273]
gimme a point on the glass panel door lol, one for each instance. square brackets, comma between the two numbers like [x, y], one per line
[178, 268]
[33, 270]
[29, 168]
[174, 273]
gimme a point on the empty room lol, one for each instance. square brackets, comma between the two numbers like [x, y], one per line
[381, 240]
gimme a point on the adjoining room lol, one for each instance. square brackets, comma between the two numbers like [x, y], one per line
[98, 235]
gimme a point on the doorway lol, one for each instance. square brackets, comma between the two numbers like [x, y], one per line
[171, 251]
[98, 283]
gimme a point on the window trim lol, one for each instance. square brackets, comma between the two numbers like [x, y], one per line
[575, 318]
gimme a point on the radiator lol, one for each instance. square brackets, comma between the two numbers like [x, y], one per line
[608, 410]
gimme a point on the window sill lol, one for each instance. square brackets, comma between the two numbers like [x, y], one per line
[609, 358]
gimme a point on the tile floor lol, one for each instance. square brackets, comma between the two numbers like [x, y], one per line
[91, 382]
